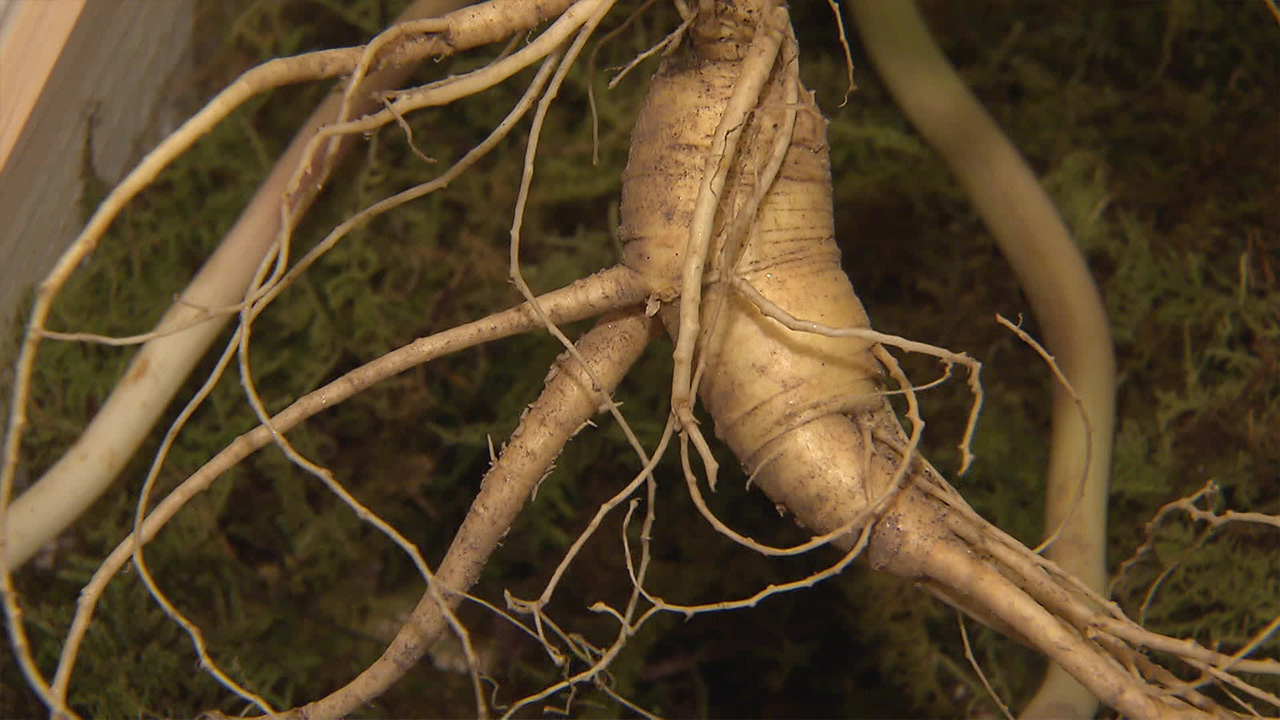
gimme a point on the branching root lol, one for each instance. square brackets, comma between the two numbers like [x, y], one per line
[728, 241]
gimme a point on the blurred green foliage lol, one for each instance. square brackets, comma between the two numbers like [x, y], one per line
[1153, 127]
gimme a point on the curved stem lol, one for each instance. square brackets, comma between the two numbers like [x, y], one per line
[1052, 272]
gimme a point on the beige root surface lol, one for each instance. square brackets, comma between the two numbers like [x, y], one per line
[564, 407]
[779, 396]
[784, 360]
[1050, 269]
[589, 297]
[184, 334]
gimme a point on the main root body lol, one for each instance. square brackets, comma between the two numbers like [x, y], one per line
[801, 409]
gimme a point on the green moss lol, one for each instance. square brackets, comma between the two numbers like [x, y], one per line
[1149, 123]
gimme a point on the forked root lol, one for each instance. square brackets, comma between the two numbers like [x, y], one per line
[928, 535]
[791, 367]
[563, 408]
[1051, 271]
[728, 233]
[604, 292]
[193, 323]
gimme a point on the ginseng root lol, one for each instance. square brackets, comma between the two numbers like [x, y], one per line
[728, 241]
[788, 378]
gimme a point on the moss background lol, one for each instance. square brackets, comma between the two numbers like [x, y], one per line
[1153, 125]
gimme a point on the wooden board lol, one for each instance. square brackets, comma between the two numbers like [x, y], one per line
[60, 62]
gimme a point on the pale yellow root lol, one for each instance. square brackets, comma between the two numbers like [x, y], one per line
[1051, 271]
[563, 408]
[186, 331]
[240, 344]
[605, 291]
[928, 535]
[754, 73]
[156, 372]
[584, 12]
[796, 358]
[781, 355]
